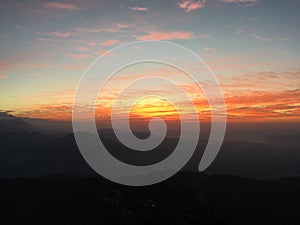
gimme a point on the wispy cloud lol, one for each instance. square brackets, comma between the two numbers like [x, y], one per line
[38, 66]
[190, 5]
[204, 36]
[80, 56]
[81, 31]
[59, 5]
[241, 30]
[262, 81]
[264, 105]
[142, 9]
[99, 30]
[92, 43]
[5, 35]
[239, 1]
[72, 67]
[82, 49]
[208, 49]
[246, 2]
[43, 111]
[3, 65]
[17, 26]
[109, 42]
[46, 39]
[2, 77]
[173, 35]
[124, 25]
[102, 52]
[58, 34]
[261, 38]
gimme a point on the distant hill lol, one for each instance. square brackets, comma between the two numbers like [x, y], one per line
[50, 126]
[257, 150]
[34, 154]
[10, 123]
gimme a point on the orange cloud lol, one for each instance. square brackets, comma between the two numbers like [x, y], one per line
[190, 5]
[48, 111]
[252, 106]
[173, 35]
[2, 77]
[59, 5]
[256, 96]
[109, 42]
[265, 106]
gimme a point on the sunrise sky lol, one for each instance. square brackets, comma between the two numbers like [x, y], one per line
[251, 45]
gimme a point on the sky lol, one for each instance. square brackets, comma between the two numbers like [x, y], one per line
[252, 46]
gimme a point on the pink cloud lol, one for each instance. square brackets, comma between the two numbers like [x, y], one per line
[109, 42]
[71, 67]
[102, 52]
[99, 30]
[136, 8]
[63, 34]
[83, 30]
[59, 5]
[46, 39]
[92, 43]
[3, 65]
[208, 49]
[2, 77]
[204, 36]
[38, 66]
[83, 49]
[190, 5]
[174, 35]
[123, 25]
[59, 34]
[80, 56]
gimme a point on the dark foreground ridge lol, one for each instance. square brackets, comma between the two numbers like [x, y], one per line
[186, 198]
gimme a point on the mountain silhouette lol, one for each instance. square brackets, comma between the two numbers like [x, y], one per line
[10, 123]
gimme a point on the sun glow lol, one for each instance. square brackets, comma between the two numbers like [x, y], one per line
[153, 106]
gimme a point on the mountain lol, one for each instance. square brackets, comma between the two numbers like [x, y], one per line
[18, 152]
[35, 154]
[261, 151]
[10, 123]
